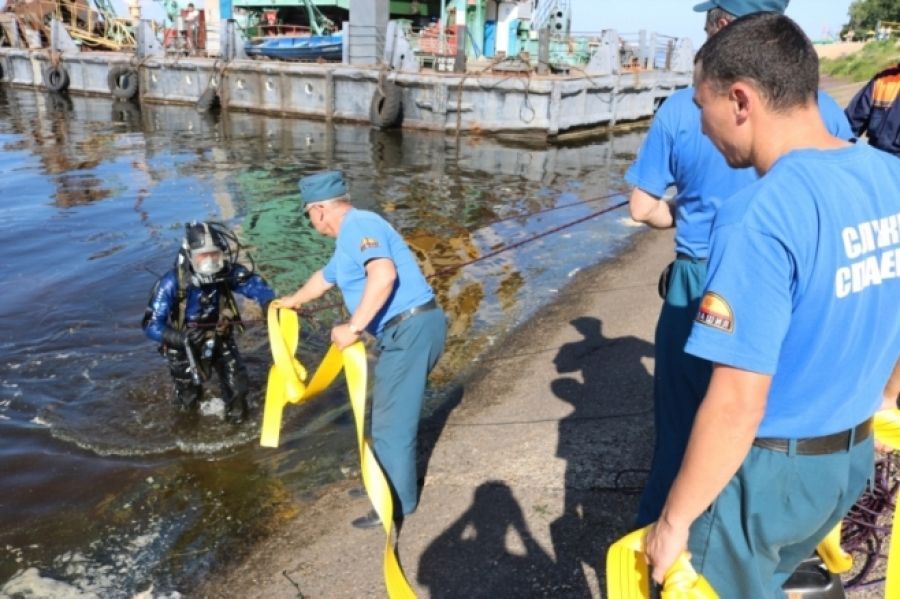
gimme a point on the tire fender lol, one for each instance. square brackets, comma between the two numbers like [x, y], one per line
[385, 109]
[122, 81]
[207, 100]
[56, 78]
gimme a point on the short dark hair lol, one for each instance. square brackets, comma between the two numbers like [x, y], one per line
[713, 15]
[770, 51]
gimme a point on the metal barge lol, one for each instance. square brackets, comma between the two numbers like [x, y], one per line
[390, 75]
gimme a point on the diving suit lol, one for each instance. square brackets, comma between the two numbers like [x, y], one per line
[193, 314]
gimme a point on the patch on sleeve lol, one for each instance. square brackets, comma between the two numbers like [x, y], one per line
[715, 312]
[367, 243]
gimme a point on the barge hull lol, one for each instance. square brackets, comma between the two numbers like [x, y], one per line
[487, 103]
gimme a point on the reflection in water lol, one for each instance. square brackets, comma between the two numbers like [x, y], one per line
[95, 195]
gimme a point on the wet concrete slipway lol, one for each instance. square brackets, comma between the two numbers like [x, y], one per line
[529, 475]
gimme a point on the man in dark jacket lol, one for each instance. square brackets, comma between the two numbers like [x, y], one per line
[875, 110]
[192, 313]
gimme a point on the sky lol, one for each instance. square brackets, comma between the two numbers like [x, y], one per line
[820, 19]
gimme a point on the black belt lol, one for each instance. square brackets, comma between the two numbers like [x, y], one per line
[821, 445]
[395, 320]
[688, 257]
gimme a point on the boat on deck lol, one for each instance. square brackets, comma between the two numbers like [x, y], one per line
[297, 47]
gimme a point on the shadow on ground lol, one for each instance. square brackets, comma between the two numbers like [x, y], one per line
[489, 551]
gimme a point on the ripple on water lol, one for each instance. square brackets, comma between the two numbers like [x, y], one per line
[153, 430]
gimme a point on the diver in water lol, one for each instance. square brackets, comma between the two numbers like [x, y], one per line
[193, 314]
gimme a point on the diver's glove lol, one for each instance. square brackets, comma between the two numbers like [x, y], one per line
[177, 339]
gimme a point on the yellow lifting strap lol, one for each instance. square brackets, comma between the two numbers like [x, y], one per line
[628, 576]
[286, 385]
[833, 555]
[887, 432]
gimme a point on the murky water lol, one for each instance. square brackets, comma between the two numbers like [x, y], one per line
[106, 491]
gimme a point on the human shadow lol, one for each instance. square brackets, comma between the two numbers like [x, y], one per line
[488, 552]
[607, 444]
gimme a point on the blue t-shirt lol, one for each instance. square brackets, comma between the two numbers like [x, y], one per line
[676, 153]
[364, 236]
[804, 285]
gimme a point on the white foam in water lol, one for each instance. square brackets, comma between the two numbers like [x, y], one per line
[39, 420]
[30, 584]
[189, 446]
[128, 560]
[214, 407]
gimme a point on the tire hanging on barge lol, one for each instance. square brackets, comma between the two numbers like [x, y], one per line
[122, 81]
[56, 78]
[387, 102]
[207, 100]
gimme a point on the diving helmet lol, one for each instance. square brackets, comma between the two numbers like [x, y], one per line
[205, 248]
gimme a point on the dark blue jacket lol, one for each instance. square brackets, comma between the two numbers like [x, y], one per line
[202, 304]
[876, 110]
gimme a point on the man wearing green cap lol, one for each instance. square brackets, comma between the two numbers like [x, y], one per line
[387, 295]
[675, 153]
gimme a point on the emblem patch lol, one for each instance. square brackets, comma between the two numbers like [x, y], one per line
[366, 243]
[715, 312]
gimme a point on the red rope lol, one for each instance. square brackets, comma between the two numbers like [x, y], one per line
[446, 270]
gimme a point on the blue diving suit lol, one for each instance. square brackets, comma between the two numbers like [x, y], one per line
[184, 314]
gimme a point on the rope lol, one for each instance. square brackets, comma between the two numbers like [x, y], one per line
[484, 225]
[449, 269]
[530, 239]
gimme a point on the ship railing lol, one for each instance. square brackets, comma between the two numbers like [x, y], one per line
[638, 51]
[434, 45]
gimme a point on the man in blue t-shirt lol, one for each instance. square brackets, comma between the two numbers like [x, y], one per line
[799, 318]
[676, 154]
[387, 295]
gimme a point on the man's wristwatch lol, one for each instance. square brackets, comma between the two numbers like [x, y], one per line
[354, 329]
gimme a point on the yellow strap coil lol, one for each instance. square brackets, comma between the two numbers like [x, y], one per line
[286, 385]
[833, 555]
[628, 576]
[887, 432]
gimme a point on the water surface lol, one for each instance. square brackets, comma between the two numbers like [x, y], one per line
[107, 491]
